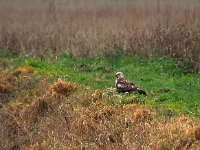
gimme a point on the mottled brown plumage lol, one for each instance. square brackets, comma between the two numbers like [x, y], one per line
[123, 85]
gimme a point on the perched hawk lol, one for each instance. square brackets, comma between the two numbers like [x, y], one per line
[124, 85]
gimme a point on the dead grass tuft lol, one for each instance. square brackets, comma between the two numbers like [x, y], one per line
[97, 95]
[62, 88]
[142, 115]
[22, 71]
[193, 134]
[5, 89]
[197, 133]
[39, 146]
[17, 108]
[35, 110]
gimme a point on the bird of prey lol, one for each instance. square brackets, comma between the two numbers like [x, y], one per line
[125, 86]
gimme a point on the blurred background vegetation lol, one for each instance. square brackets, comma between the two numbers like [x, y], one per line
[88, 28]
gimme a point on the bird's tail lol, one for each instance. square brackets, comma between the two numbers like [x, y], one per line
[140, 91]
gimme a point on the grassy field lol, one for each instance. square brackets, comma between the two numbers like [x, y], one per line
[154, 75]
[79, 93]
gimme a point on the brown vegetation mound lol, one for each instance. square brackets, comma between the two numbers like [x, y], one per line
[62, 88]
[22, 71]
[84, 120]
[4, 89]
[36, 109]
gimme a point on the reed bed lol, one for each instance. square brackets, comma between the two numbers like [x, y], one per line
[90, 28]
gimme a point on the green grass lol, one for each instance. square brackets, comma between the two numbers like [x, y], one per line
[152, 75]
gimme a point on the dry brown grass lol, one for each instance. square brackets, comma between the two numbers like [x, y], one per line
[23, 71]
[62, 88]
[19, 85]
[92, 27]
[36, 109]
[34, 119]
[44, 122]
[4, 89]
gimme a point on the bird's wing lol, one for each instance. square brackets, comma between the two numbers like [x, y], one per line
[126, 86]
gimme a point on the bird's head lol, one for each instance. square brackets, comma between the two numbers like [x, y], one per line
[119, 75]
